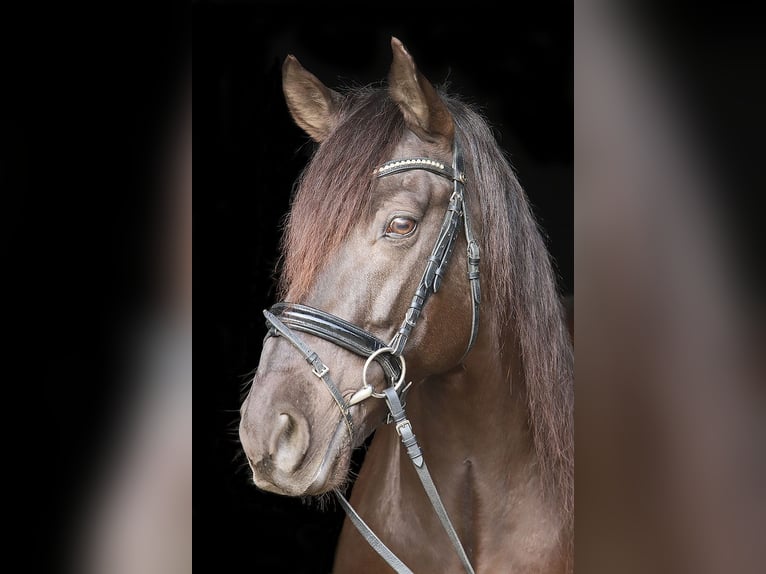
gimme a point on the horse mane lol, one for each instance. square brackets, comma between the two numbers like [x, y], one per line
[520, 286]
[336, 188]
[518, 282]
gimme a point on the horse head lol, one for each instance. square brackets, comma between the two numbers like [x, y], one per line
[368, 212]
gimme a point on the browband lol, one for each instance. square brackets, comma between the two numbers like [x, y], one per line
[432, 165]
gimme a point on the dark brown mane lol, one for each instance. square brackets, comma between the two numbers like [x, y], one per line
[335, 190]
[518, 278]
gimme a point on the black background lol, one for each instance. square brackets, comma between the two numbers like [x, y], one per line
[87, 97]
[90, 107]
[248, 153]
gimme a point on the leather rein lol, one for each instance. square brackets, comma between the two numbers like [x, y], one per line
[284, 319]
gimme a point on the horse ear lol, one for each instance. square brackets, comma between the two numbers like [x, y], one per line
[424, 111]
[313, 106]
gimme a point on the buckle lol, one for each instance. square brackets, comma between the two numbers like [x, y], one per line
[324, 369]
[401, 424]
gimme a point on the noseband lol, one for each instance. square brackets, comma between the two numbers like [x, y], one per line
[284, 319]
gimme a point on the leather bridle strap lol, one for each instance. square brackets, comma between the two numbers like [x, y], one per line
[409, 441]
[473, 255]
[338, 331]
[404, 430]
[436, 266]
[319, 369]
[372, 539]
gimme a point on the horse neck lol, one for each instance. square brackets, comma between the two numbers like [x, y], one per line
[472, 424]
[475, 416]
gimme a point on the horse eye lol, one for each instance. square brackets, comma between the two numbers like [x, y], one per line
[401, 226]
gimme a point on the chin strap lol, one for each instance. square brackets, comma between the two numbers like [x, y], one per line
[404, 430]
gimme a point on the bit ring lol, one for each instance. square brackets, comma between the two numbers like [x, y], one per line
[380, 351]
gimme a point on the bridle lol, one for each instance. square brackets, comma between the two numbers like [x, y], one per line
[284, 319]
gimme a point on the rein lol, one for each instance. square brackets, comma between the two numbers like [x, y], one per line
[284, 319]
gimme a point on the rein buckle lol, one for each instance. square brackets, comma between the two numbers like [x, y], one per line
[401, 425]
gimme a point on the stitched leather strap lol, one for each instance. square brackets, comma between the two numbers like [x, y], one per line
[473, 258]
[441, 254]
[404, 430]
[434, 272]
[338, 331]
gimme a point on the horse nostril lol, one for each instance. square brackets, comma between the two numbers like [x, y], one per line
[289, 441]
[284, 429]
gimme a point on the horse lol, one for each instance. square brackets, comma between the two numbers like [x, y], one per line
[406, 192]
